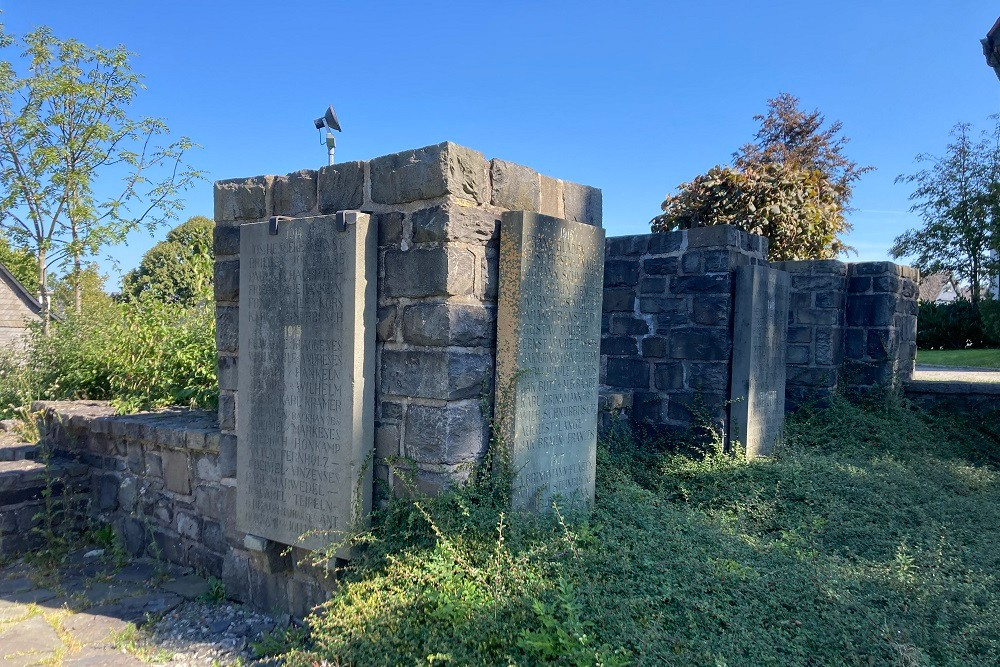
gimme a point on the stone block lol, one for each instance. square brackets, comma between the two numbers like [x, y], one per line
[829, 346]
[618, 300]
[831, 299]
[661, 243]
[649, 407]
[430, 172]
[107, 492]
[227, 280]
[659, 305]
[443, 324]
[391, 410]
[227, 411]
[812, 377]
[621, 273]
[226, 240]
[626, 246]
[701, 284]
[551, 196]
[854, 343]
[441, 374]
[386, 327]
[711, 310]
[227, 455]
[628, 373]
[700, 344]
[826, 317]
[798, 354]
[421, 272]
[868, 310]
[390, 228]
[294, 195]
[451, 434]
[207, 468]
[582, 203]
[455, 222]
[619, 345]
[655, 347]
[859, 284]
[627, 325]
[669, 376]
[800, 334]
[227, 328]
[242, 198]
[661, 266]
[227, 371]
[176, 471]
[340, 187]
[719, 261]
[386, 440]
[655, 285]
[514, 187]
[874, 268]
[188, 525]
[692, 262]
[886, 284]
[715, 235]
[708, 377]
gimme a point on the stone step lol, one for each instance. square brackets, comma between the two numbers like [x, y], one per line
[18, 451]
[25, 479]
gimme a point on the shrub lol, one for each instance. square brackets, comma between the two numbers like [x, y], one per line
[989, 310]
[138, 354]
[951, 326]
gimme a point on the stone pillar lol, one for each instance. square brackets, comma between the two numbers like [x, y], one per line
[815, 329]
[667, 327]
[880, 339]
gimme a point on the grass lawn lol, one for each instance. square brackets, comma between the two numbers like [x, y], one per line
[870, 538]
[974, 358]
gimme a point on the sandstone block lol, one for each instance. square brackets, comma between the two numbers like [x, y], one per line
[430, 172]
[242, 198]
[451, 434]
[441, 324]
[421, 272]
[340, 187]
[455, 222]
[514, 187]
[294, 194]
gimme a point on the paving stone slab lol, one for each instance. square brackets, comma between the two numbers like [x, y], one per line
[28, 642]
[99, 657]
[90, 629]
[189, 587]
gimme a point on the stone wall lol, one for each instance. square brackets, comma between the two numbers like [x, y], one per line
[815, 329]
[437, 210]
[667, 326]
[880, 338]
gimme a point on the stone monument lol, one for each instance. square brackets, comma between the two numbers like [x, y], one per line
[307, 377]
[548, 356]
[760, 329]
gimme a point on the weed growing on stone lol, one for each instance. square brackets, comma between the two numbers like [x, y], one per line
[869, 538]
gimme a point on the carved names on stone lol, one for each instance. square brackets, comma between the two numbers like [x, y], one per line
[305, 413]
[548, 356]
[760, 331]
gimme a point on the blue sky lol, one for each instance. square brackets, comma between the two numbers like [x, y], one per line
[631, 97]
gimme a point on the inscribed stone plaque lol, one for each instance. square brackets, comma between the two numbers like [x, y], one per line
[548, 356]
[760, 331]
[305, 414]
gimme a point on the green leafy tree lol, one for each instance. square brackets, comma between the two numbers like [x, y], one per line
[793, 184]
[178, 269]
[89, 285]
[958, 198]
[21, 263]
[65, 128]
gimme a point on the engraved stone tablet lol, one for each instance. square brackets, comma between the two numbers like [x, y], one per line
[760, 330]
[548, 356]
[305, 417]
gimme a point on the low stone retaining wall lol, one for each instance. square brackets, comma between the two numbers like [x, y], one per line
[957, 395]
[167, 482]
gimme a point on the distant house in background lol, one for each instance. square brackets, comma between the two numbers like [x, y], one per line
[17, 307]
[941, 288]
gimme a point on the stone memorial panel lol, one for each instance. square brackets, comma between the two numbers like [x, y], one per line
[760, 330]
[548, 356]
[305, 413]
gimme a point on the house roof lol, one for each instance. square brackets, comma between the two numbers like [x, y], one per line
[991, 47]
[20, 290]
[933, 284]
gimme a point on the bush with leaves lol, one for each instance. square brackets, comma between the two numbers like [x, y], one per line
[955, 325]
[178, 269]
[137, 354]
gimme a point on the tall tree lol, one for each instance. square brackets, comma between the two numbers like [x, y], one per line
[65, 126]
[21, 263]
[178, 269]
[958, 197]
[793, 184]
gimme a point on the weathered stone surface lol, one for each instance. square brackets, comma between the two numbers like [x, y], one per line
[451, 434]
[242, 198]
[441, 324]
[548, 356]
[294, 194]
[582, 203]
[307, 365]
[176, 471]
[514, 187]
[443, 374]
[455, 222]
[426, 173]
[700, 343]
[551, 196]
[340, 187]
[227, 371]
[226, 240]
[227, 280]
[757, 412]
[421, 272]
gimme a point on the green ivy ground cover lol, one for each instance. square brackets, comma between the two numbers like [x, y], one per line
[869, 539]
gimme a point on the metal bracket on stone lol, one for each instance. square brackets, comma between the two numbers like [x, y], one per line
[344, 218]
[273, 223]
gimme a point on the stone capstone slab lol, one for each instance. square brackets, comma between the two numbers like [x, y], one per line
[430, 172]
[548, 356]
[305, 422]
[760, 314]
